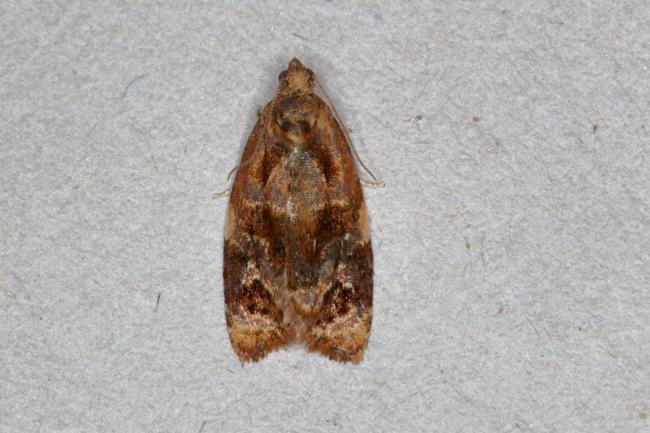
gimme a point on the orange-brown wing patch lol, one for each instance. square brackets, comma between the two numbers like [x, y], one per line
[254, 320]
[341, 326]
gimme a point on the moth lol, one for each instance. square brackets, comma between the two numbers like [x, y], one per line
[297, 252]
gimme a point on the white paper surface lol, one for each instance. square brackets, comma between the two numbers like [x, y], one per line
[511, 254]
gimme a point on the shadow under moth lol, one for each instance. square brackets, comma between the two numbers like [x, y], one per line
[297, 253]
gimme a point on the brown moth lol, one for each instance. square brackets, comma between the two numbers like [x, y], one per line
[297, 253]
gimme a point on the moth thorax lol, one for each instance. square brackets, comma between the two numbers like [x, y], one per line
[296, 114]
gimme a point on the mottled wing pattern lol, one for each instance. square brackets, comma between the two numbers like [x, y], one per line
[254, 320]
[297, 253]
[340, 328]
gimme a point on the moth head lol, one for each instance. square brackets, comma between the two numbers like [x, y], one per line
[296, 79]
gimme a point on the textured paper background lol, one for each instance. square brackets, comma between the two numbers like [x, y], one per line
[512, 252]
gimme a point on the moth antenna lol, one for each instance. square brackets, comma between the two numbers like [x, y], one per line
[265, 117]
[345, 133]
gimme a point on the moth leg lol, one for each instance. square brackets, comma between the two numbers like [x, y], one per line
[221, 194]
